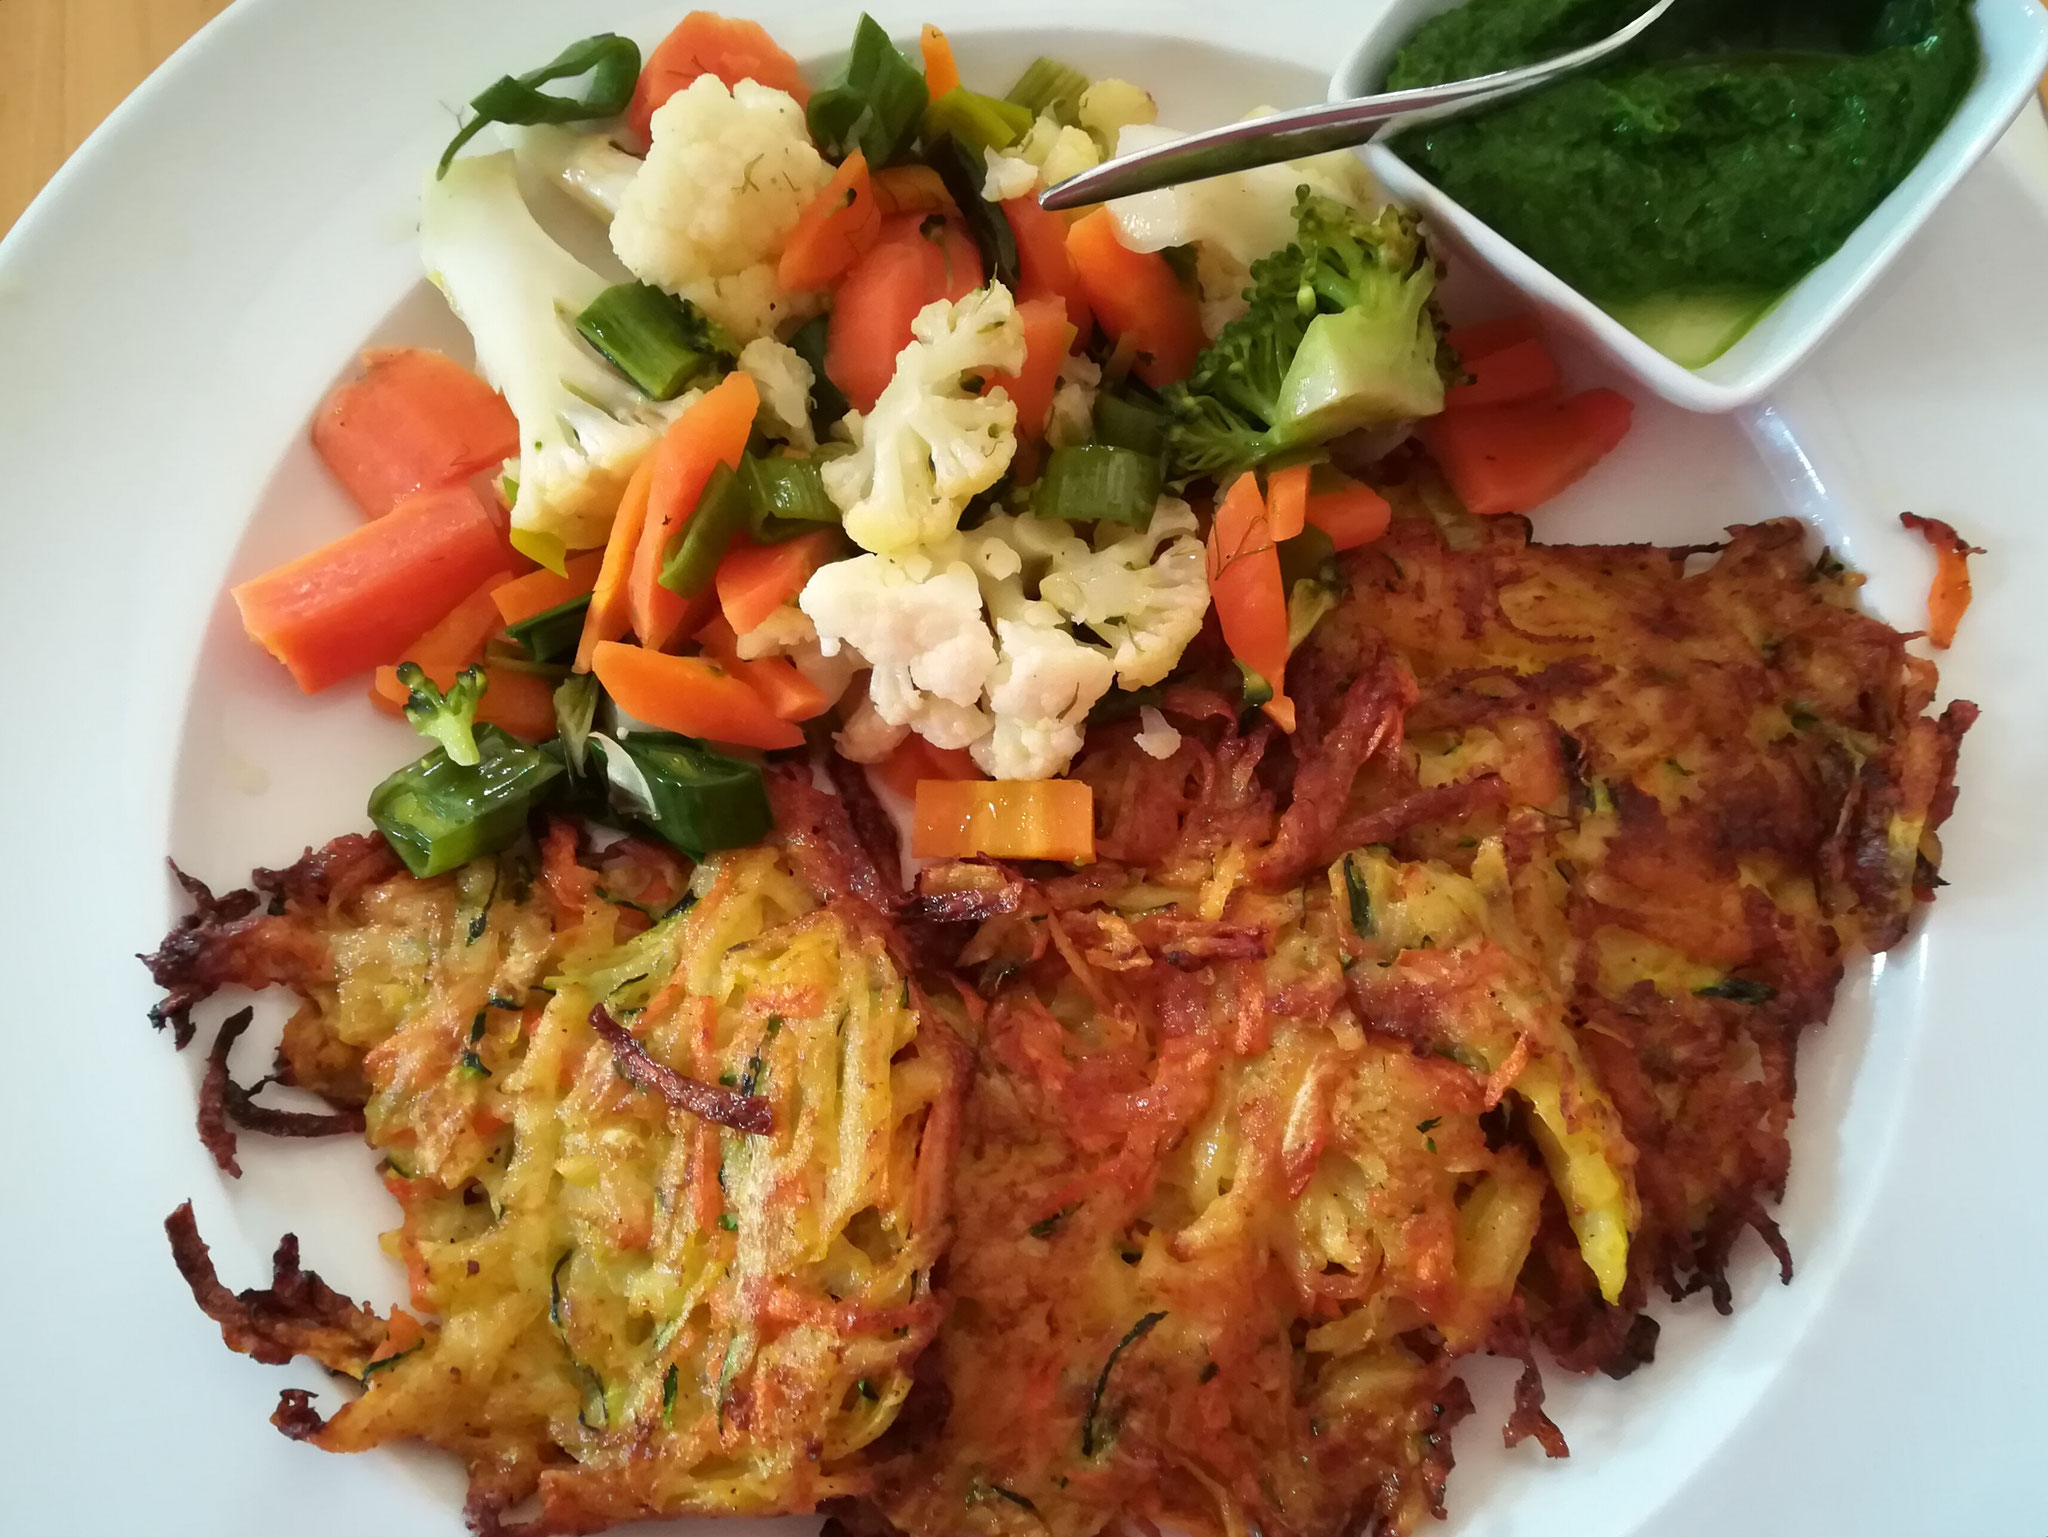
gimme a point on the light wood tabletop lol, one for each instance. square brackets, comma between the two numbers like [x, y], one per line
[64, 65]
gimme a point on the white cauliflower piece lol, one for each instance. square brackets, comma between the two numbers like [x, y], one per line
[1040, 693]
[1109, 106]
[931, 444]
[1008, 176]
[1059, 151]
[583, 427]
[788, 632]
[1073, 402]
[1222, 280]
[1145, 602]
[925, 638]
[728, 172]
[1247, 214]
[866, 737]
[1155, 737]
[784, 380]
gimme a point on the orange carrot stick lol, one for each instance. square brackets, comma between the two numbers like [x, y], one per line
[1949, 596]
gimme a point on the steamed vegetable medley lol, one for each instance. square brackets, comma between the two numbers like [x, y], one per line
[799, 415]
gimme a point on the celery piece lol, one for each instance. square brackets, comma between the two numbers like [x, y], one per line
[980, 122]
[1047, 85]
[1094, 482]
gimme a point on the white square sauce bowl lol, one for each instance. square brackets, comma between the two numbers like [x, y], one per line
[2014, 37]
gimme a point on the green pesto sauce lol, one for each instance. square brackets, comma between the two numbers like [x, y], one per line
[1708, 167]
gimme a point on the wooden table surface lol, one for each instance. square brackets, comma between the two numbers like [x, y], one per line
[65, 64]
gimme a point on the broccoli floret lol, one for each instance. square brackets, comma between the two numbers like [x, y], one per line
[1339, 333]
[448, 719]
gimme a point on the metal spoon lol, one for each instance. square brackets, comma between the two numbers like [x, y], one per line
[1314, 130]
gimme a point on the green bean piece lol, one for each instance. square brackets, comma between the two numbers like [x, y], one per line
[437, 814]
[693, 555]
[662, 343]
[1047, 85]
[873, 104]
[612, 63]
[696, 799]
[552, 634]
[1093, 482]
[1125, 420]
[980, 122]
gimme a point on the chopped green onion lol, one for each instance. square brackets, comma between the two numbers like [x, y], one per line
[552, 634]
[437, 814]
[1047, 85]
[611, 61]
[873, 104]
[1130, 421]
[788, 498]
[1093, 482]
[696, 799]
[659, 342]
[1257, 690]
[576, 700]
[980, 122]
[961, 168]
[693, 556]
[1359, 897]
[810, 343]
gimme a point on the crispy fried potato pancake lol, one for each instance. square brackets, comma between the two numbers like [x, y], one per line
[1464, 1019]
[624, 1307]
[1466, 1016]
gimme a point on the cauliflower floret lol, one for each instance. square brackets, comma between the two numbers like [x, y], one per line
[1247, 214]
[925, 638]
[1040, 693]
[1110, 106]
[728, 172]
[1073, 402]
[866, 737]
[1222, 280]
[930, 444]
[582, 427]
[1155, 738]
[1008, 176]
[1059, 151]
[1146, 603]
[784, 380]
[788, 632]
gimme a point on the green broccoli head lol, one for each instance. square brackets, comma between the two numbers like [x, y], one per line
[448, 719]
[1339, 332]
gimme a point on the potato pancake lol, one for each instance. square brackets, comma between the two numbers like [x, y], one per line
[1166, 1190]
[672, 1191]
[1463, 1021]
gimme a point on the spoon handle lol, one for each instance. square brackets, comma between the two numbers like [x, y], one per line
[1313, 130]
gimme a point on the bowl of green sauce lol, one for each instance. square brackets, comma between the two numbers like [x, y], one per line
[1707, 205]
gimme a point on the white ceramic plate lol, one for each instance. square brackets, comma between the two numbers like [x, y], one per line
[174, 306]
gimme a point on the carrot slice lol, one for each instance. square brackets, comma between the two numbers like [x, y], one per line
[352, 604]
[789, 693]
[608, 617]
[1287, 501]
[1948, 598]
[1352, 514]
[1048, 334]
[941, 73]
[1004, 819]
[907, 268]
[754, 580]
[415, 421]
[1138, 299]
[705, 43]
[836, 228]
[911, 189]
[538, 591]
[1511, 458]
[458, 637]
[915, 759]
[1485, 336]
[691, 695]
[712, 432]
[1043, 266]
[1244, 582]
[1523, 370]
